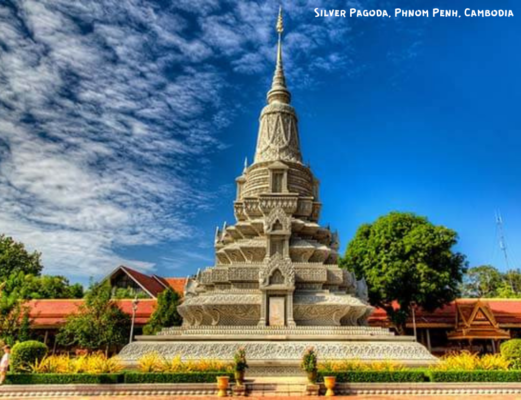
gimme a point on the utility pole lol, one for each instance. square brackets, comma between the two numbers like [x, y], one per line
[135, 303]
[502, 243]
[413, 309]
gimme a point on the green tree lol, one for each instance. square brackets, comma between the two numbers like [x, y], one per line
[29, 287]
[482, 281]
[14, 319]
[165, 314]
[14, 258]
[513, 279]
[408, 260]
[99, 323]
[128, 293]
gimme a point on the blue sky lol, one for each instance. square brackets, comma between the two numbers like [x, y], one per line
[123, 124]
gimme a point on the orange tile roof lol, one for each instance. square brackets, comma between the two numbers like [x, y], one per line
[506, 311]
[177, 284]
[53, 313]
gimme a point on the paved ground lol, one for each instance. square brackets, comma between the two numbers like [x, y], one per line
[394, 397]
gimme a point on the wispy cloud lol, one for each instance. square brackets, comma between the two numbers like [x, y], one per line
[105, 106]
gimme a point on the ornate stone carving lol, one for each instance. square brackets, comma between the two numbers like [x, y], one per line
[312, 274]
[282, 350]
[277, 221]
[243, 273]
[281, 264]
[361, 290]
[278, 134]
[219, 275]
[334, 276]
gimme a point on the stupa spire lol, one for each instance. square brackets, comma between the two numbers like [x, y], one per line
[279, 91]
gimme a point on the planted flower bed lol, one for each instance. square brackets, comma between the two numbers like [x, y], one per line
[99, 369]
[152, 368]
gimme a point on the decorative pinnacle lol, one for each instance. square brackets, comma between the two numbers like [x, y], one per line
[280, 25]
[279, 92]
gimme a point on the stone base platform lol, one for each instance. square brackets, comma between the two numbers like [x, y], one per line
[275, 351]
[265, 388]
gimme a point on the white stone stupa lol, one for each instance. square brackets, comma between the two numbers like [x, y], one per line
[276, 287]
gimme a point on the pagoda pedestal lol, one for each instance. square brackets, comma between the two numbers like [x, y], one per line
[275, 351]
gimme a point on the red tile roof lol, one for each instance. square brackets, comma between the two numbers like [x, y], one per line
[52, 313]
[149, 283]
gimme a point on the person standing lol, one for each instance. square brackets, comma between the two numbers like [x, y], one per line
[4, 364]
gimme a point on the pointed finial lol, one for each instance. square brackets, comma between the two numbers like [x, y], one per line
[223, 233]
[279, 92]
[280, 25]
[217, 234]
[245, 164]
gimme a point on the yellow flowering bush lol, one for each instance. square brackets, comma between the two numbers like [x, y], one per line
[494, 362]
[65, 364]
[467, 361]
[153, 362]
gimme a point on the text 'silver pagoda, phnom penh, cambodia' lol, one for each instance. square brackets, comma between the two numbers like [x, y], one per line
[276, 288]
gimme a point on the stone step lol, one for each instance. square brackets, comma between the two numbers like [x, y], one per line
[285, 331]
[276, 386]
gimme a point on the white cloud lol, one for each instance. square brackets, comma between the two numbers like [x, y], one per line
[105, 105]
[89, 126]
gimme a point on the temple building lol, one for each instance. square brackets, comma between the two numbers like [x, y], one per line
[276, 288]
[276, 265]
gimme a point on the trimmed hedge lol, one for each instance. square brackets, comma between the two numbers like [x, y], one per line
[26, 353]
[50, 379]
[375, 376]
[211, 377]
[181, 377]
[475, 376]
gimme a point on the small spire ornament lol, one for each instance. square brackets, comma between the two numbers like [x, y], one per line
[279, 92]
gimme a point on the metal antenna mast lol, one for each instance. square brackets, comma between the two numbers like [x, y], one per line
[502, 243]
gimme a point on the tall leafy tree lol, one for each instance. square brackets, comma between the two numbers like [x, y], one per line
[406, 261]
[14, 258]
[165, 314]
[99, 323]
[482, 281]
[513, 279]
[14, 318]
[28, 287]
[510, 286]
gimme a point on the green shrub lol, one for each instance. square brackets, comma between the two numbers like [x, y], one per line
[52, 379]
[376, 376]
[511, 351]
[24, 354]
[474, 376]
[184, 377]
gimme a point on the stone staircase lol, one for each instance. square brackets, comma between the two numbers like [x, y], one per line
[276, 386]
